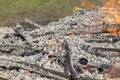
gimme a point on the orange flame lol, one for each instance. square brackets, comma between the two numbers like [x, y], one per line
[76, 9]
[112, 11]
[87, 4]
[112, 15]
[84, 4]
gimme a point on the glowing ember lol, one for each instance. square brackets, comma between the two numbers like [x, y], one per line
[114, 30]
[112, 11]
[112, 15]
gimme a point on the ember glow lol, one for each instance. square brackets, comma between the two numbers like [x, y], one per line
[114, 30]
[112, 15]
[110, 11]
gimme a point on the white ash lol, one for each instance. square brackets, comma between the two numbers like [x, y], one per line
[50, 38]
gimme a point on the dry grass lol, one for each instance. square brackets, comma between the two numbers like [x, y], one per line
[37, 10]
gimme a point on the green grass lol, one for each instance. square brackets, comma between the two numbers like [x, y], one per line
[17, 10]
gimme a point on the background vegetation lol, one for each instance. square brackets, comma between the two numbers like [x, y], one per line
[38, 10]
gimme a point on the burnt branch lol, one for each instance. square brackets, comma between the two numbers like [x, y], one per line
[72, 71]
[34, 68]
[23, 34]
[33, 23]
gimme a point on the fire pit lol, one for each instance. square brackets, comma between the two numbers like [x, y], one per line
[84, 46]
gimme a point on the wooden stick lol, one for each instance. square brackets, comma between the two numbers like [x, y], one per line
[34, 68]
[73, 73]
[1, 78]
[23, 34]
[33, 23]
